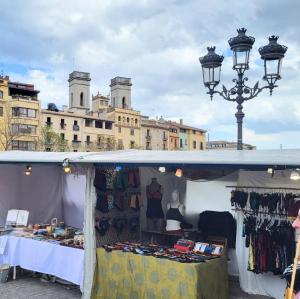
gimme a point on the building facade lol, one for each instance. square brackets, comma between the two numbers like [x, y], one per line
[227, 145]
[19, 116]
[77, 128]
[96, 124]
[155, 134]
[127, 121]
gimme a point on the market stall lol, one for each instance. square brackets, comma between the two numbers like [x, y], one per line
[120, 225]
[51, 240]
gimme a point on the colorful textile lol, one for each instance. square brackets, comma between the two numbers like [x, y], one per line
[132, 276]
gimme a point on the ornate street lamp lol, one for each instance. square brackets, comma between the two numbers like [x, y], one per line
[241, 46]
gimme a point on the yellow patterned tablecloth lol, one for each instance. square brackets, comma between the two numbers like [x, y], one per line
[122, 275]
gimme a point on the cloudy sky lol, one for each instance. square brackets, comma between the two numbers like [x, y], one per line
[157, 43]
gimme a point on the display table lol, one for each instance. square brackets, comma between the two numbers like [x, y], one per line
[133, 276]
[61, 261]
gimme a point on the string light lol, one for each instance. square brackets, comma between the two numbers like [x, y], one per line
[271, 171]
[295, 175]
[28, 170]
[178, 172]
[66, 166]
[162, 169]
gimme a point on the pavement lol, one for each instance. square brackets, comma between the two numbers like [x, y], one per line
[28, 287]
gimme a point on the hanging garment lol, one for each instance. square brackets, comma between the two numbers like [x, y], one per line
[154, 207]
[102, 203]
[174, 214]
[120, 200]
[212, 223]
[110, 201]
[135, 199]
[100, 179]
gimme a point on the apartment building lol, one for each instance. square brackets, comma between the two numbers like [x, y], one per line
[155, 134]
[227, 145]
[19, 115]
[167, 135]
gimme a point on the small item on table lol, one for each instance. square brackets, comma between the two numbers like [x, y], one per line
[184, 245]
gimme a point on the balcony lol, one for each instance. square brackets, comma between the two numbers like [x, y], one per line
[49, 124]
[148, 137]
[25, 131]
[23, 98]
[75, 128]
[76, 142]
[165, 138]
[89, 143]
[63, 126]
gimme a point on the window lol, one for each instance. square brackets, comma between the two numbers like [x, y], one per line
[194, 144]
[98, 124]
[131, 144]
[181, 145]
[88, 139]
[75, 126]
[23, 145]
[119, 118]
[175, 143]
[48, 122]
[62, 124]
[119, 129]
[148, 132]
[1, 94]
[108, 125]
[132, 132]
[20, 129]
[201, 145]
[62, 136]
[124, 103]
[194, 132]
[185, 142]
[88, 122]
[75, 138]
[23, 112]
[128, 119]
[136, 121]
[1, 111]
[81, 99]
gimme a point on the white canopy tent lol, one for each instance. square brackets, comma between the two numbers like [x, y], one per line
[249, 160]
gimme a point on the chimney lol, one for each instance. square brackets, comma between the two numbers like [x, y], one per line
[65, 108]
[181, 121]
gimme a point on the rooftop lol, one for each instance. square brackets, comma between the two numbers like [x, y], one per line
[246, 159]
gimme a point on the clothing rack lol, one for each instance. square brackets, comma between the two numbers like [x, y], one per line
[260, 187]
[259, 212]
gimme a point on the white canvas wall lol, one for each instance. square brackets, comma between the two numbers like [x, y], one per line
[39, 193]
[47, 193]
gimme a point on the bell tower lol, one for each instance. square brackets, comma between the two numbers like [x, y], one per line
[120, 89]
[79, 90]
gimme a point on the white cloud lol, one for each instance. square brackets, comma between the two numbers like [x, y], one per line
[158, 45]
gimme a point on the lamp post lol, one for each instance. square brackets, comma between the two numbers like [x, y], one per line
[241, 46]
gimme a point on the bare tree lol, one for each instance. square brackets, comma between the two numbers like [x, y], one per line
[52, 141]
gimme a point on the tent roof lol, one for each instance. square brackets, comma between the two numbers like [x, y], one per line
[229, 158]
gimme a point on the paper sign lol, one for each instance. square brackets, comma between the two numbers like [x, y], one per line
[17, 217]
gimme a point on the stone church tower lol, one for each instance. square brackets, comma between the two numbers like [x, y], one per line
[79, 91]
[120, 89]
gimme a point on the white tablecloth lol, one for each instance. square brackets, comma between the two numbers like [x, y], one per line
[61, 261]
